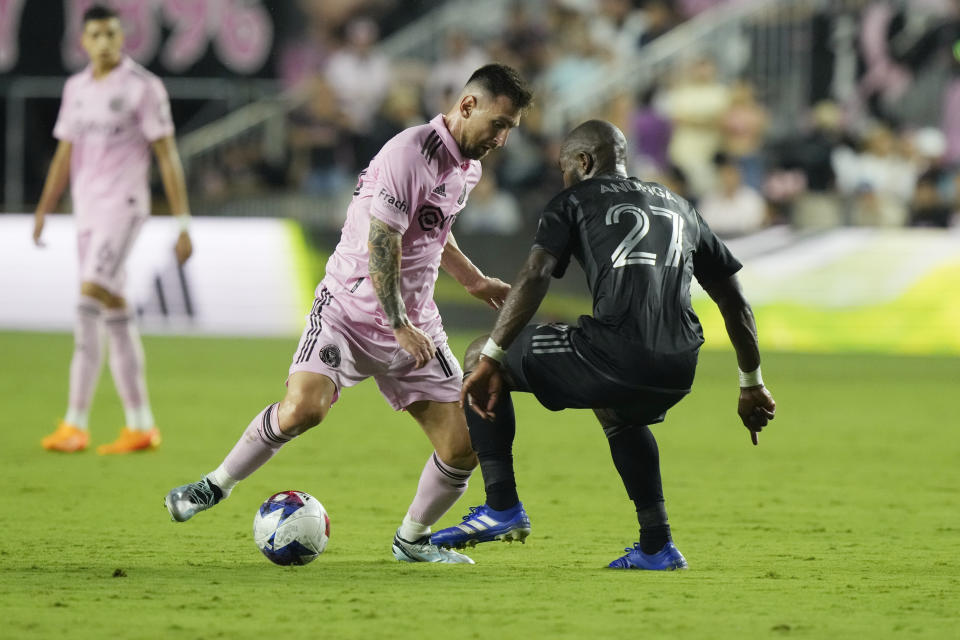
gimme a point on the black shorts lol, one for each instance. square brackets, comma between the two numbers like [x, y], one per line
[543, 361]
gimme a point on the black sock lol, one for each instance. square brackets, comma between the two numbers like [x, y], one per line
[493, 442]
[637, 458]
[654, 529]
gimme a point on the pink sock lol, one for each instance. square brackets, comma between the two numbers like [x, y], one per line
[87, 353]
[258, 443]
[126, 360]
[440, 487]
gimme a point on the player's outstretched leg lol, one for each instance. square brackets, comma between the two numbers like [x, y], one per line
[259, 442]
[305, 405]
[484, 524]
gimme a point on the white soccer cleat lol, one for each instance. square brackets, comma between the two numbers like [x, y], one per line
[185, 502]
[421, 550]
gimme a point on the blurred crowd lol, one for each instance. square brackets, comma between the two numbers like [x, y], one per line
[700, 130]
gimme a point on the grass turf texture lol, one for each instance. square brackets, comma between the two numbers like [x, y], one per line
[844, 520]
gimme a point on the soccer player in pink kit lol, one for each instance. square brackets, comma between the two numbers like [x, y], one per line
[112, 113]
[374, 313]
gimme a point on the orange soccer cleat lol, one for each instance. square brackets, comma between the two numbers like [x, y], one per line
[130, 441]
[67, 438]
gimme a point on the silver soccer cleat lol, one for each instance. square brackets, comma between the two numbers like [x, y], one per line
[187, 501]
[420, 550]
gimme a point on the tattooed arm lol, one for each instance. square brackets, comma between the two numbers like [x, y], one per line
[384, 246]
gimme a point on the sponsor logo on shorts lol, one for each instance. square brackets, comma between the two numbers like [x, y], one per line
[393, 201]
[330, 355]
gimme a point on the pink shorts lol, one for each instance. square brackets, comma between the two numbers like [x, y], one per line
[102, 252]
[349, 353]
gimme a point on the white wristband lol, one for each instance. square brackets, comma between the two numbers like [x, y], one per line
[493, 351]
[183, 221]
[750, 378]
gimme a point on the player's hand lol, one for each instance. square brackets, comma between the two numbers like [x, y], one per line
[38, 221]
[493, 291]
[416, 343]
[482, 389]
[183, 248]
[756, 409]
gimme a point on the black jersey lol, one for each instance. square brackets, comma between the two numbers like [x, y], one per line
[639, 245]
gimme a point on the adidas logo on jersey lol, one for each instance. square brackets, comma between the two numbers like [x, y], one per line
[441, 190]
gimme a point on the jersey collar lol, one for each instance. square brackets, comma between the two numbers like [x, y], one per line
[440, 126]
[611, 175]
[126, 63]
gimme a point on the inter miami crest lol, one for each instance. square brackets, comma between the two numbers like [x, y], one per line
[330, 355]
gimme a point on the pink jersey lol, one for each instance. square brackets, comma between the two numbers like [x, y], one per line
[111, 122]
[416, 185]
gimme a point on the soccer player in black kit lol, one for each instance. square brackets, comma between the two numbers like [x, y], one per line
[634, 358]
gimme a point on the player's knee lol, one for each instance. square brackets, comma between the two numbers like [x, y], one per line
[459, 456]
[472, 355]
[300, 413]
[611, 422]
[306, 403]
[614, 430]
[455, 449]
[109, 300]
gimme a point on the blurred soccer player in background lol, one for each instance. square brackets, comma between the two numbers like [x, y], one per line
[111, 115]
[374, 314]
[634, 358]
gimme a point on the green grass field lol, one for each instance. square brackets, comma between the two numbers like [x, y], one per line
[845, 520]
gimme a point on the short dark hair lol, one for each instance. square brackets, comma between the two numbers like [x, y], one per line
[98, 12]
[501, 80]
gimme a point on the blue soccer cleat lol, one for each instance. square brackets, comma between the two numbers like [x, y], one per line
[667, 559]
[483, 524]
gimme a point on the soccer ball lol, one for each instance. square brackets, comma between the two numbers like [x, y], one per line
[291, 527]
